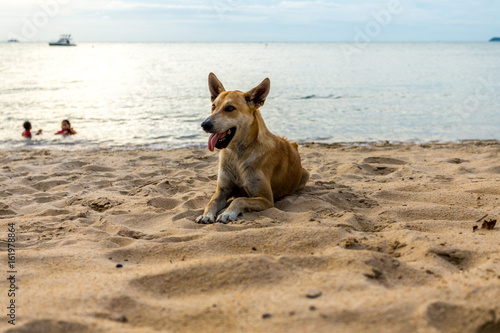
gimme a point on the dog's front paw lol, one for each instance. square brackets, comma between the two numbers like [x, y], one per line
[205, 219]
[227, 216]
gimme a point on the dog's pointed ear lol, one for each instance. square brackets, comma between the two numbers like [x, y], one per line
[215, 86]
[257, 96]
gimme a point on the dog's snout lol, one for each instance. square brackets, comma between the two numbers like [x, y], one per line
[207, 125]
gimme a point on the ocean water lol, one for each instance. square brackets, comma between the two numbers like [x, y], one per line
[155, 95]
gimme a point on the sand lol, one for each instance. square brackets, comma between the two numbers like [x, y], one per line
[380, 240]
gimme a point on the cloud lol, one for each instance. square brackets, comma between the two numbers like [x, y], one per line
[202, 19]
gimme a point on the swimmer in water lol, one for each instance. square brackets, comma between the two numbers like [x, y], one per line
[27, 130]
[66, 128]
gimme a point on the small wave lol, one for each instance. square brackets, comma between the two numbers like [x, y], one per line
[320, 97]
[187, 137]
[162, 137]
[29, 89]
[158, 146]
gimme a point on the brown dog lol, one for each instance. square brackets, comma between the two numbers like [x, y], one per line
[256, 166]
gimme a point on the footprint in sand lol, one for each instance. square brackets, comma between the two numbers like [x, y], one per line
[486, 190]
[458, 258]
[70, 166]
[48, 185]
[44, 198]
[5, 194]
[456, 161]
[19, 190]
[53, 212]
[97, 168]
[364, 169]
[125, 232]
[494, 170]
[453, 318]
[213, 276]
[5, 210]
[51, 325]
[196, 202]
[116, 241]
[125, 309]
[164, 203]
[383, 160]
[101, 204]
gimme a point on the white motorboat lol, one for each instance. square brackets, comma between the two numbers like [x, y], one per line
[64, 40]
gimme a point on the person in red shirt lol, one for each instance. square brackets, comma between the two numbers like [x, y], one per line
[27, 130]
[66, 128]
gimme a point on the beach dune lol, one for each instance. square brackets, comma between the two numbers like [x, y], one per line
[380, 240]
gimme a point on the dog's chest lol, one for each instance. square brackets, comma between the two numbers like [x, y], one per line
[240, 172]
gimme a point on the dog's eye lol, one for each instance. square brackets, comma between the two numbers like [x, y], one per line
[213, 106]
[230, 108]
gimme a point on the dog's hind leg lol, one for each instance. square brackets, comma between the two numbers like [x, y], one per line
[303, 180]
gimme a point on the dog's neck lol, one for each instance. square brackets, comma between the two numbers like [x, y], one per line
[257, 133]
[258, 129]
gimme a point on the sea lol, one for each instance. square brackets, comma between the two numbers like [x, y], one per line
[155, 95]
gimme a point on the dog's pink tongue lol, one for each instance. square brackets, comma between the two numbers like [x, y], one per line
[212, 140]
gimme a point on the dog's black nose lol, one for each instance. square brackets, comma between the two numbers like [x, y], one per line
[207, 125]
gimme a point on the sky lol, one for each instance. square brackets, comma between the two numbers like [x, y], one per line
[250, 20]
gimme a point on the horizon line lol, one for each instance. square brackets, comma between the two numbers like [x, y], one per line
[339, 41]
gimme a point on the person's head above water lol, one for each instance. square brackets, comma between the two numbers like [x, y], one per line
[66, 128]
[66, 125]
[27, 125]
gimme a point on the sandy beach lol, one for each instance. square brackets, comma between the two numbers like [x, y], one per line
[380, 240]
